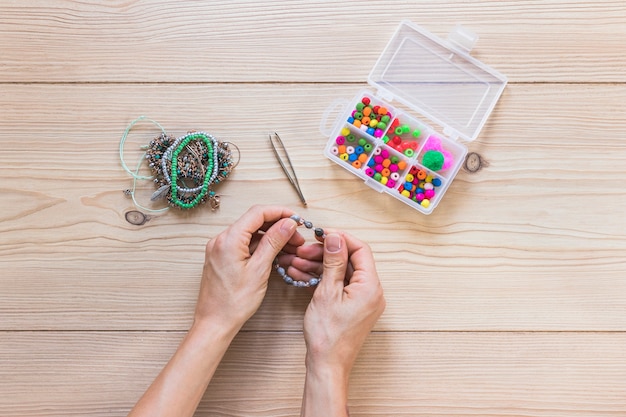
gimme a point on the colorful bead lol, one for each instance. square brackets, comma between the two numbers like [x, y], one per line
[313, 281]
[344, 156]
[369, 172]
[340, 140]
[425, 203]
[436, 182]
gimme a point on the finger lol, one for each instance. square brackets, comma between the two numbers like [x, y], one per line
[256, 218]
[313, 252]
[362, 260]
[272, 243]
[335, 264]
[300, 275]
[291, 247]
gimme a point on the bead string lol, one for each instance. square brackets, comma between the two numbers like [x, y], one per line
[135, 174]
[210, 173]
[319, 232]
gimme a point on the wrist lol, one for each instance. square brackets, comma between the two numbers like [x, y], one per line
[325, 390]
[212, 331]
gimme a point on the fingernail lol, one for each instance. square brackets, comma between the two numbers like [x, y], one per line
[288, 226]
[333, 243]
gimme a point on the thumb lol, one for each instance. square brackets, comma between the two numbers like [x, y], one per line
[335, 262]
[273, 241]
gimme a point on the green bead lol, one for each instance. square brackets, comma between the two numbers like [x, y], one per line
[433, 160]
[416, 133]
[360, 106]
[362, 142]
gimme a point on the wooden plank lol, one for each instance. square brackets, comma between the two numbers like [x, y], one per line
[535, 240]
[187, 41]
[418, 374]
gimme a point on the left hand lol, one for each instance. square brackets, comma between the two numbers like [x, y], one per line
[238, 263]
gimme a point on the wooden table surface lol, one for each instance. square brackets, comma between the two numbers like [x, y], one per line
[509, 300]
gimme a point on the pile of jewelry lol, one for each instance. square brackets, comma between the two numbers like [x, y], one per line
[186, 168]
[319, 232]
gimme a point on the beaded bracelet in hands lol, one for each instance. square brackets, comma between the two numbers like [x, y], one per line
[319, 232]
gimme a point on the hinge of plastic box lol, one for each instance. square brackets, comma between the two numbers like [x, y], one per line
[463, 38]
[451, 133]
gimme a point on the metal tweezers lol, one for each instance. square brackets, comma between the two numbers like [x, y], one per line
[276, 142]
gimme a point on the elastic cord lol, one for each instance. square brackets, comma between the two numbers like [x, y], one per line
[135, 174]
[123, 142]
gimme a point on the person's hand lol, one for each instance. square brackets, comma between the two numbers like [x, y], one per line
[238, 263]
[343, 310]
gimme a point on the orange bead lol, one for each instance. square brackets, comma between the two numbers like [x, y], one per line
[365, 120]
[401, 165]
[421, 174]
[341, 149]
[356, 164]
[363, 158]
[385, 172]
[382, 111]
[387, 162]
[367, 111]
[356, 123]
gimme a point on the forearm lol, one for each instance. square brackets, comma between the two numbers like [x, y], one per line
[325, 392]
[180, 386]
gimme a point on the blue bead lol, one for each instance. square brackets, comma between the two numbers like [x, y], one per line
[436, 182]
[288, 279]
[313, 281]
[281, 271]
[419, 190]
[370, 131]
[359, 150]
[371, 163]
[353, 157]
[350, 119]
[408, 186]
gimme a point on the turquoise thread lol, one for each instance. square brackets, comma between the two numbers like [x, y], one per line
[135, 174]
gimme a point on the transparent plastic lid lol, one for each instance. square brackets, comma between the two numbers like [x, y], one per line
[438, 79]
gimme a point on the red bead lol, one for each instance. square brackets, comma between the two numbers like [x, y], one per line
[366, 101]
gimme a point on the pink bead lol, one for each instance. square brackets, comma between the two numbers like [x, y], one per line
[391, 183]
[419, 196]
[384, 153]
[334, 150]
[379, 167]
[379, 159]
[340, 140]
[369, 172]
[378, 133]
[429, 194]
[353, 112]
[393, 168]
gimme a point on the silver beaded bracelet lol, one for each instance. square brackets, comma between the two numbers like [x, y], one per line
[319, 232]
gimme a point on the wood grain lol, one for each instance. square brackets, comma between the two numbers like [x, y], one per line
[297, 41]
[412, 374]
[477, 263]
[507, 301]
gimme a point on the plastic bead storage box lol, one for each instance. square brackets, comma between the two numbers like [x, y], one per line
[392, 150]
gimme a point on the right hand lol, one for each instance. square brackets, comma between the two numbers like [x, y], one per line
[345, 306]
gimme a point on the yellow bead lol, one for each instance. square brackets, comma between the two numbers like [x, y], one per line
[425, 203]
[429, 178]
[384, 180]
[373, 122]
[345, 131]
[409, 178]
[344, 156]
[406, 193]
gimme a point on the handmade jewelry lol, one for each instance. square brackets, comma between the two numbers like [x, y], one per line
[185, 168]
[197, 158]
[319, 232]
